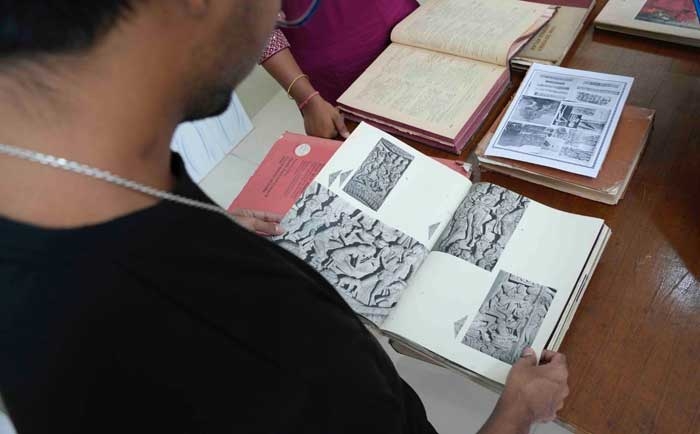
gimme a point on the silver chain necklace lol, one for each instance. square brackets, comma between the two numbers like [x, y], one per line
[103, 175]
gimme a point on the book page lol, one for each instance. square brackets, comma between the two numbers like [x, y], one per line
[483, 30]
[562, 118]
[482, 315]
[369, 219]
[408, 85]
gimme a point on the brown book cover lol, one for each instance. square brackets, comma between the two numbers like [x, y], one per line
[551, 44]
[628, 143]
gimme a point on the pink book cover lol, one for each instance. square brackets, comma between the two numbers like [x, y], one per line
[292, 163]
[289, 167]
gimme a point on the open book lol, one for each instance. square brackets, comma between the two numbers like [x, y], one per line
[469, 274]
[445, 69]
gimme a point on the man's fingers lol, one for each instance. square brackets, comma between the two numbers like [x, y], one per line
[528, 357]
[268, 216]
[552, 357]
[255, 214]
[260, 226]
[266, 228]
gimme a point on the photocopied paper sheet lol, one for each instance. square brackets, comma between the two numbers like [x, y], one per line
[203, 144]
[562, 118]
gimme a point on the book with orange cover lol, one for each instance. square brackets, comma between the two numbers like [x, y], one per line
[628, 143]
[446, 68]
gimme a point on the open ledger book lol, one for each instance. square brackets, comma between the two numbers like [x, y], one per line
[469, 274]
[445, 69]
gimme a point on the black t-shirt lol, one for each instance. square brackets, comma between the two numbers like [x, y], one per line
[173, 319]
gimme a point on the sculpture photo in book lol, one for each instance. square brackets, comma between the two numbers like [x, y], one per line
[482, 225]
[378, 174]
[366, 260]
[510, 317]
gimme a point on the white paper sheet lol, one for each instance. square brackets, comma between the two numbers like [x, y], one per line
[203, 144]
[562, 118]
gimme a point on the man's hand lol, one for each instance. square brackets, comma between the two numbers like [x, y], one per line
[263, 223]
[532, 394]
[323, 120]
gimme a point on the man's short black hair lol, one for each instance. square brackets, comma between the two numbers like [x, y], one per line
[30, 27]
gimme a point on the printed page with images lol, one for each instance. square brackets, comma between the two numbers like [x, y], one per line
[562, 118]
[370, 217]
[483, 30]
[497, 281]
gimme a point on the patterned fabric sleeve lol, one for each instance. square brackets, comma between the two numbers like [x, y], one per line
[275, 44]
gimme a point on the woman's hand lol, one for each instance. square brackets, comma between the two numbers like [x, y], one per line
[323, 120]
[260, 222]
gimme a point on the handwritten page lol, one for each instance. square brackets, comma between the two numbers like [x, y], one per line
[407, 85]
[562, 118]
[483, 30]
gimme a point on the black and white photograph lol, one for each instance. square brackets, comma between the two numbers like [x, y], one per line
[518, 135]
[367, 261]
[535, 110]
[509, 318]
[578, 146]
[560, 143]
[582, 118]
[483, 224]
[378, 174]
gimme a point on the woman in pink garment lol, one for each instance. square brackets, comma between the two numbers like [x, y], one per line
[316, 63]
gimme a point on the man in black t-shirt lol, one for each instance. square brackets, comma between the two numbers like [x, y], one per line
[123, 312]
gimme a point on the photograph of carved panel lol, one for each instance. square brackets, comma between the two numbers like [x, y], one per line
[574, 145]
[582, 118]
[378, 174]
[535, 110]
[509, 318]
[482, 225]
[366, 261]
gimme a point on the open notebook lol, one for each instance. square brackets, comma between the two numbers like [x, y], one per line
[445, 70]
[468, 274]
